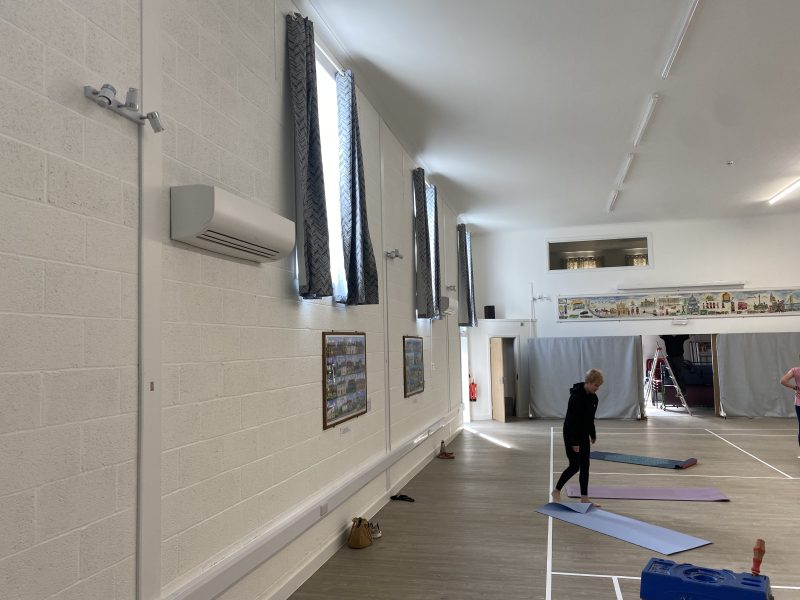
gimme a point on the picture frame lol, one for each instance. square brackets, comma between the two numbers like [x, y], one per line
[344, 377]
[413, 366]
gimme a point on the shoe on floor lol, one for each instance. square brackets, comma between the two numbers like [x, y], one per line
[445, 455]
[402, 497]
[375, 530]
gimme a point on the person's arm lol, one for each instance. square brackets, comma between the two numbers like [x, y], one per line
[787, 378]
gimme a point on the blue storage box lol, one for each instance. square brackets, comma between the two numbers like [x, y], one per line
[667, 580]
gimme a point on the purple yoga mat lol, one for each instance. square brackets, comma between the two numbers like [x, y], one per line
[697, 494]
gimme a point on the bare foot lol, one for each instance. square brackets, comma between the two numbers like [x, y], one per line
[586, 499]
[556, 494]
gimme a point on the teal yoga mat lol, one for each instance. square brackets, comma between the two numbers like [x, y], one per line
[648, 461]
[655, 538]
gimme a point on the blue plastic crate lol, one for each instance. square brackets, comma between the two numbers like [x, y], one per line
[667, 580]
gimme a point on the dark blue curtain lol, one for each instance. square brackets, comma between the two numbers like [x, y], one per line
[359, 259]
[466, 288]
[311, 218]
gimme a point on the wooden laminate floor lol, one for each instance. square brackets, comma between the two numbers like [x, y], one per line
[473, 532]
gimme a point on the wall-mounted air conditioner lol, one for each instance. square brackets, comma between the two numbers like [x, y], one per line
[212, 218]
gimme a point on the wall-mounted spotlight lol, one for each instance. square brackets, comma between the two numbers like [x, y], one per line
[106, 97]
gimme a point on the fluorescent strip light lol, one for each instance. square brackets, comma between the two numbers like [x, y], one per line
[612, 200]
[648, 114]
[623, 172]
[708, 285]
[785, 192]
[679, 40]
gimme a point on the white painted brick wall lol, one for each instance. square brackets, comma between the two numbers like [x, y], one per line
[68, 307]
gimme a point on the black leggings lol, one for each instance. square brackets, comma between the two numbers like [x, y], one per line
[797, 410]
[579, 461]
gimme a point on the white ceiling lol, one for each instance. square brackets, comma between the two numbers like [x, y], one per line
[522, 111]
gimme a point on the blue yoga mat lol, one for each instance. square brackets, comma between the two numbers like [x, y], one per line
[648, 461]
[655, 538]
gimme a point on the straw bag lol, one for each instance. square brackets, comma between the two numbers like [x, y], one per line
[360, 536]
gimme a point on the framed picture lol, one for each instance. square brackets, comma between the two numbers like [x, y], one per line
[413, 367]
[344, 377]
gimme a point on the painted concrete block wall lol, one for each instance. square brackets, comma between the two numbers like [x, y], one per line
[243, 443]
[756, 251]
[68, 302]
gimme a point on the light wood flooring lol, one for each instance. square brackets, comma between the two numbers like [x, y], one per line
[473, 532]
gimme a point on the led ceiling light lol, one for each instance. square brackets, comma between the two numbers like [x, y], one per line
[785, 192]
[648, 114]
[679, 40]
[612, 200]
[623, 172]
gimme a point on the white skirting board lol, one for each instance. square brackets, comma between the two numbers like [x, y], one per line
[215, 580]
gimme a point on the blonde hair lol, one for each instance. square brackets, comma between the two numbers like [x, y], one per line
[594, 376]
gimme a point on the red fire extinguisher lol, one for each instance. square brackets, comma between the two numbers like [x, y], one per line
[473, 389]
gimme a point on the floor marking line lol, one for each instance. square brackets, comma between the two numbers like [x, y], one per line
[599, 576]
[549, 581]
[773, 477]
[751, 455]
[617, 589]
[594, 575]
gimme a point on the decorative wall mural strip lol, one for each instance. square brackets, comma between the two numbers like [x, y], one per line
[682, 305]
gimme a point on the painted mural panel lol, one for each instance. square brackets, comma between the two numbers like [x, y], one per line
[683, 305]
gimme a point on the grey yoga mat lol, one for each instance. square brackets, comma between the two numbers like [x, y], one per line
[655, 538]
[648, 461]
[695, 494]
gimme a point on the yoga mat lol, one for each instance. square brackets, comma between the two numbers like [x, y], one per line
[649, 461]
[646, 535]
[696, 494]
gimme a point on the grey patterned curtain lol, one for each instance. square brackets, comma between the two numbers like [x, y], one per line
[432, 199]
[427, 264]
[311, 220]
[466, 288]
[359, 259]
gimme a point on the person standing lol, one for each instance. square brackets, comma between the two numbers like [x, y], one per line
[673, 344]
[793, 376]
[579, 432]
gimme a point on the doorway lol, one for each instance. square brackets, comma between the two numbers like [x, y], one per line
[698, 374]
[504, 377]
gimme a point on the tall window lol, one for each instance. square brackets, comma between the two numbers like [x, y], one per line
[329, 138]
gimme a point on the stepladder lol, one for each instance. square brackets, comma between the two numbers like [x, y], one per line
[652, 393]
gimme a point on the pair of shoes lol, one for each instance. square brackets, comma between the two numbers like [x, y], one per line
[375, 530]
[401, 497]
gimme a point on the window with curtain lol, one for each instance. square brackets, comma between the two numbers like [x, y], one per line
[466, 288]
[329, 138]
[334, 250]
[426, 247]
[353, 269]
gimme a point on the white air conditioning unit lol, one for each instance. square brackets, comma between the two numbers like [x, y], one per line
[212, 218]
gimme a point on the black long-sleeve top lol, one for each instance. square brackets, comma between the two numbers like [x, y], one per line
[579, 422]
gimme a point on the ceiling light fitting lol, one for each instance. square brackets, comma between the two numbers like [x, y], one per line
[648, 114]
[612, 200]
[679, 40]
[623, 172]
[785, 192]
